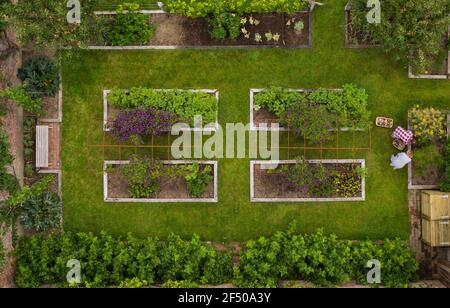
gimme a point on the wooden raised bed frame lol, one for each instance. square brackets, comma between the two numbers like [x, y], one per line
[253, 163]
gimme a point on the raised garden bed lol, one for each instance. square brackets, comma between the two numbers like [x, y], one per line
[432, 177]
[355, 38]
[110, 112]
[440, 69]
[271, 185]
[260, 117]
[176, 31]
[170, 190]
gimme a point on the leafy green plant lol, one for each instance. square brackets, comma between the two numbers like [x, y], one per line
[40, 76]
[427, 157]
[185, 104]
[182, 284]
[311, 121]
[130, 27]
[445, 184]
[347, 182]
[197, 179]
[225, 26]
[203, 8]
[277, 100]
[142, 175]
[22, 98]
[42, 212]
[134, 283]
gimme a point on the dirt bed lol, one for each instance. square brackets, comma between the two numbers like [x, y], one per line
[176, 30]
[167, 188]
[270, 185]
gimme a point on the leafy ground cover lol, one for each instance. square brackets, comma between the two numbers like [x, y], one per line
[233, 72]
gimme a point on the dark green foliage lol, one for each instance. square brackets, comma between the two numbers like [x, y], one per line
[445, 184]
[42, 212]
[40, 76]
[142, 175]
[8, 182]
[109, 261]
[5, 155]
[311, 121]
[129, 28]
[412, 30]
[225, 26]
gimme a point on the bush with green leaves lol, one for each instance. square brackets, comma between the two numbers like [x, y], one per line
[130, 27]
[312, 121]
[185, 104]
[42, 212]
[108, 261]
[349, 104]
[23, 98]
[203, 8]
[40, 76]
[8, 182]
[426, 158]
[412, 30]
[197, 179]
[225, 26]
[142, 175]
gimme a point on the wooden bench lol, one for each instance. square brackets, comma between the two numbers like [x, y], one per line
[42, 146]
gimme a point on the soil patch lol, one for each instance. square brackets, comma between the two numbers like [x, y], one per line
[167, 188]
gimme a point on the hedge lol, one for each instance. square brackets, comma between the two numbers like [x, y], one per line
[106, 261]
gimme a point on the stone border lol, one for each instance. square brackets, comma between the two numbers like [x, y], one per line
[172, 47]
[362, 162]
[155, 200]
[411, 186]
[347, 44]
[254, 91]
[204, 129]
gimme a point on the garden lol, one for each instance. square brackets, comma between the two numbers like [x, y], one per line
[308, 181]
[184, 23]
[431, 127]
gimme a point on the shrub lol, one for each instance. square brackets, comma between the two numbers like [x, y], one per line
[185, 104]
[350, 104]
[22, 98]
[183, 284]
[313, 122]
[410, 41]
[42, 212]
[426, 158]
[142, 122]
[197, 179]
[131, 27]
[428, 124]
[142, 175]
[277, 100]
[224, 26]
[5, 155]
[203, 8]
[8, 182]
[40, 76]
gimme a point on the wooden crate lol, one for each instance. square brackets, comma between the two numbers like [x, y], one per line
[436, 232]
[435, 205]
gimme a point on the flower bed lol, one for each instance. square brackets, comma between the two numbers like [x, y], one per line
[201, 102]
[177, 28]
[279, 106]
[171, 181]
[431, 128]
[307, 181]
[355, 37]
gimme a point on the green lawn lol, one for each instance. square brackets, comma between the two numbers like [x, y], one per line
[233, 72]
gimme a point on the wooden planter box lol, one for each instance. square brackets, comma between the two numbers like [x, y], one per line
[213, 199]
[412, 185]
[268, 164]
[348, 43]
[107, 110]
[255, 127]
